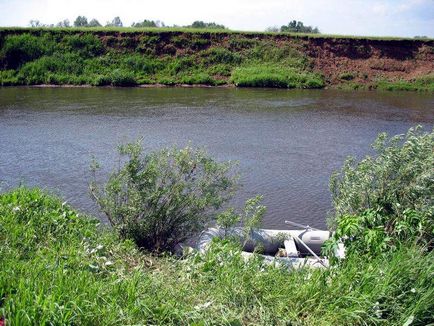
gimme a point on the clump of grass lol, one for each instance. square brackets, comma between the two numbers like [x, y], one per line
[275, 76]
[424, 83]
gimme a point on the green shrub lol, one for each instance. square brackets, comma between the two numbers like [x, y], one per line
[87, 45]
[220, 55]
[274, 76]
[19, 49]
[197, 78]
[346, 76]
[141, 64]
[8, 78]
[162, 198]
[122, 78]
[387, 199]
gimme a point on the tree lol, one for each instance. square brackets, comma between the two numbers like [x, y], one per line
[116, 22]
[145, 23]
[164, 197]
[272, 29]
[298, 27]
[202, 24]
[35, 23]
[64, 23]
[81, 21]
[94, 23]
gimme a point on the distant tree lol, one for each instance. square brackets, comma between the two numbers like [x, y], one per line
[272, 29]
[202, 24]
[81, 21]
[94, 23]
[35, 23]
[64, 23]
[298, 27]
[145, 23]
[116, 22]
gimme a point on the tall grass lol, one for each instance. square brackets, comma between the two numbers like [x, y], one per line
[58, 267]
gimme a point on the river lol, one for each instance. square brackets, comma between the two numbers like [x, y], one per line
[287, 142]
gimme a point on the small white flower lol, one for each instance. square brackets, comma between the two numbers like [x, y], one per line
[413, 290]
[109, 263]
[203, 305]
[16, 209]
[99, 247]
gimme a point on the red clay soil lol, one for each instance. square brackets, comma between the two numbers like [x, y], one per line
[370, 60]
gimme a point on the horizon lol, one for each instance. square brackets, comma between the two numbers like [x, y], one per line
[357, 18]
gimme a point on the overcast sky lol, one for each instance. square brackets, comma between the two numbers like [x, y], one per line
[349, 17]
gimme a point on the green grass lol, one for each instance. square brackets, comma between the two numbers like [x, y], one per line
[203, 31]
[58, 267]
[425, 83]
[275, 76]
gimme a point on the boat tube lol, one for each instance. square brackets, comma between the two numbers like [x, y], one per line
[302, 247]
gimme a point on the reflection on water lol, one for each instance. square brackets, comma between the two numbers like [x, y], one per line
[287, 142]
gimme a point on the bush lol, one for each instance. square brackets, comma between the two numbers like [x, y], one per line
[87, 45]
[387, 199]
[162, 198]
[123, 78]
[275, 76]
[19, 49]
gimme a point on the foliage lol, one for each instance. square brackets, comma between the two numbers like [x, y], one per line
[387, 199]
[80, 21]
[60, 268]
[94, 23]
[423, 83]
[201, 24]
[116, 22]
[18, 49]
[250, 218]
[275, 76]
[298, 27]
[164, 197]
[148, 23]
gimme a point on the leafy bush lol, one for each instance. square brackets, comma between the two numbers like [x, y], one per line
[164, 197]
[387, 199]
[274, 76]
[19, 49]
[87, 45]
[220, 55]
[197, 78]
[122, 78]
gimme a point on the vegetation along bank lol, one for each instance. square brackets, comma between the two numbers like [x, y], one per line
[168, 56]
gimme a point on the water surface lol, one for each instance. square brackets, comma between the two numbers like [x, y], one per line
[287, 142]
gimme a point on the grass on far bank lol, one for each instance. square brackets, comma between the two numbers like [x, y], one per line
[58, 267]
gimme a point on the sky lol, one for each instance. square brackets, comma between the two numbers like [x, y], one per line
[346, 17]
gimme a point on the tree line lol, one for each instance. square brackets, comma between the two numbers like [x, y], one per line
[82, 21]
[294, 27]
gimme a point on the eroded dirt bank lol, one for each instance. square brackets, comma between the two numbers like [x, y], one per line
[217, 58]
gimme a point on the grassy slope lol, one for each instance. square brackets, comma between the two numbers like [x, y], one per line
[131, 56]
[59, 268]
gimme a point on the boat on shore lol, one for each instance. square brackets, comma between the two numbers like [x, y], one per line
[293, 248]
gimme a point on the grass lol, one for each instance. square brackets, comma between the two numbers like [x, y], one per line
[204, 31]
[59, 267]
[425, 83]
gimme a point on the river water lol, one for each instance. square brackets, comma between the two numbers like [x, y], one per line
[287, 143]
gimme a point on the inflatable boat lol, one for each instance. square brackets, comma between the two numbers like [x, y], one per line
[293, 248]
